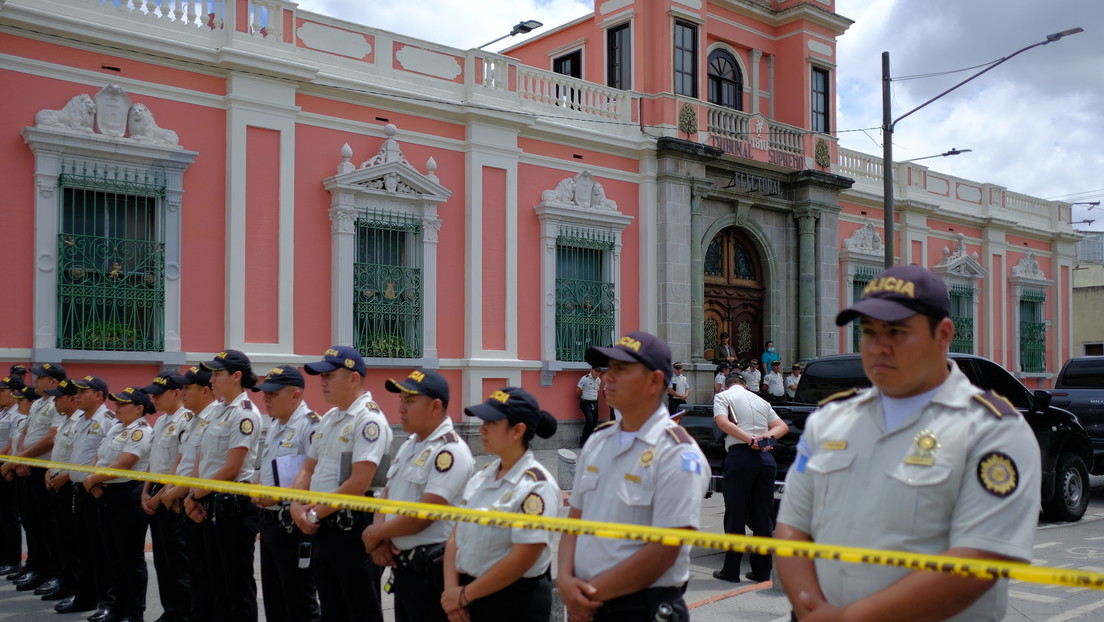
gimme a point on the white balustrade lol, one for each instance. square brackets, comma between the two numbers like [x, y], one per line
[588, 98]
[860, 165]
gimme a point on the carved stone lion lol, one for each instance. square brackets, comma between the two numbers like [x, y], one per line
[143, 128]
[78, 115]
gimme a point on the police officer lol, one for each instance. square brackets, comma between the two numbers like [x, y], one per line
[678, 391]
[498, 573]
[126, 447]
[93, 551]
[923, 462]
[170, 552]
[587, 390]
[228, 452]
[642, 469]
[36, 442]
[11, 533]
[432, 466]
[289, 592]
[61, 494]
[349, 446]
[751, 427]
[201, 406]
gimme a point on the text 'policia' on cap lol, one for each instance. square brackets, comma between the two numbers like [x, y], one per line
[899, 292]
[635, 347]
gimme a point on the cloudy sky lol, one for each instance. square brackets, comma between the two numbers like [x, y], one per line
[1035, 124]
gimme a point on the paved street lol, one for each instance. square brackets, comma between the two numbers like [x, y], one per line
[1066, 545]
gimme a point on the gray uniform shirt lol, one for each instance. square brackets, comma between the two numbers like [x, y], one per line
[659, 479]
[90, 433]
[8, 423]
[440, 465]
[288, 439]
[952, 474]
[190, 435]
[361, 432]
[40, 419]
[135, 438]
[234, 425]
[166, 440]
[753, 413]
[63, 440]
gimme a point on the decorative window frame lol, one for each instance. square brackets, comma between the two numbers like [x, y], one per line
[861, 252]
[1025, 275]
[384, 183]
[104, 130]
[580, 202]
[962, 270]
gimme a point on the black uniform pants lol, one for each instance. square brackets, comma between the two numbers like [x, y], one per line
[590, 419]
[418, 594]
[749, 500]
[92, 571]
[642, 606]
[170, 559]
[202, 599]
[348, 580]
[289, 594]
[124, 523]
[38, 522]
[11, 534]
[674, 404]
[525, 599]
[229, 547]
[63, 506]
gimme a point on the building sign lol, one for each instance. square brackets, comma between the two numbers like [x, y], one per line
[755, 183]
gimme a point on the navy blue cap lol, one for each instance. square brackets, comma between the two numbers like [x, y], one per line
[517, 403]
[899, 292]
[92, 382]
[422, 382]
[11, 382]
[134, 395]
[53, 370]
[26, 393]
[635, 347]
[338, 357]
[196, 374]
[17, 370]
[280, 377]
[165, 381]
[65, 387]
[230, 360]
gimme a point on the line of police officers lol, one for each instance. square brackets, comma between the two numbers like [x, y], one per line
[319, 562]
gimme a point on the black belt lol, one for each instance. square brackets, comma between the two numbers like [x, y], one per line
[638, 601]
[421, 557]
[155, 488]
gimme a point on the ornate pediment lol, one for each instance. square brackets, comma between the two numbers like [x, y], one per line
[1028, 267]
[582, 191]
[959, 263]
[388, 173]
[864, 243]
[109, 113]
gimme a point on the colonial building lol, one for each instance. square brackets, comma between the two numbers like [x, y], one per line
[183, 177]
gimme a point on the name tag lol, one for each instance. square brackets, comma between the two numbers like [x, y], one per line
[835, 445]
[920, 460]
[632, 478]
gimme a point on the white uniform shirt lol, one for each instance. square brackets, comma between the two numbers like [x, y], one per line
[40, 419]
[590, 386]
[136, 438]
[440, 465]
[527, 488]
[166, 440]
[753, 413]
[237, 424]
[681, 384]
[191, 434]
[8, 421]
[63, 440]
[362, 432]
[773, 380]
[753, 379]
[18, 424]
[90, 433]
[951, 474]
[288, 439]
[792, 379]
[659, 479]
[719, 379]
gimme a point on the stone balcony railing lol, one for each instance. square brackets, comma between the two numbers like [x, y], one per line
[918, 183]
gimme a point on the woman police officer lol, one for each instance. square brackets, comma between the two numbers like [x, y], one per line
[496, 573]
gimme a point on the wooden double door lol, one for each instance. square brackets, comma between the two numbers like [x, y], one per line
[733, 294]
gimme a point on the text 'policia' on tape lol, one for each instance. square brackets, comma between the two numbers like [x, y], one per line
[985, 569]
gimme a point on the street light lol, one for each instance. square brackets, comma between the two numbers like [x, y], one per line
[1091, 204]
[952, 152]
[1087, 221]
[888, 123]
[521, 28]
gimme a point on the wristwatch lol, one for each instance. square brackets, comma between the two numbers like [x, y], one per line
[312, 517]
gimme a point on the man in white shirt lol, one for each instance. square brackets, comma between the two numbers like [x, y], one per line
[773, 388]
[587, 390]
[792, 380]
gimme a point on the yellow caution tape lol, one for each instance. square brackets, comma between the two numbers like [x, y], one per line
[981, 568]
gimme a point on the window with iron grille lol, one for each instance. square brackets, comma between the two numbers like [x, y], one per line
[1032, 331]
[619, 57]
[820, 101]
[686, 59]
[584, 291]
[862, 278]
[387, 275]
[111, 260]
[962, 314]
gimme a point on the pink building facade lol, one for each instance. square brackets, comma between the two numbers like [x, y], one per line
[183, 177]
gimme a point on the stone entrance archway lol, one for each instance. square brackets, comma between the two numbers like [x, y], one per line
[734, 292]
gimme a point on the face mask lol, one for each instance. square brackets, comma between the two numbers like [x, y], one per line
[770, 349]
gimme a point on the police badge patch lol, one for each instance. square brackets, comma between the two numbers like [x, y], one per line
[444, 461]
[533, 504]
[997, 474]
[136, 436]
[246, 426]
[371, 431]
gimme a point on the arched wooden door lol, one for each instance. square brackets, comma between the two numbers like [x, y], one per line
[733, 294]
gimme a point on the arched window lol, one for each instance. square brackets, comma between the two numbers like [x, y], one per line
[726, 83]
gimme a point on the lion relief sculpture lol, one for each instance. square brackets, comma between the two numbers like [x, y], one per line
[78, 115]
[143, 128]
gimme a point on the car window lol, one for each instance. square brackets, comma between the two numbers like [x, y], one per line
[1083, 374]
[987, 375]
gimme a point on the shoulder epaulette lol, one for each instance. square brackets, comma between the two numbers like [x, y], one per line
[996, 404]
[188, 415]
[604, 425]
[842, 395]
[110, 414]
[373, 406]
[451, 437]
[246, 404]
[313, 417]
[536, 474]
[484, 467]
[681, 436]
